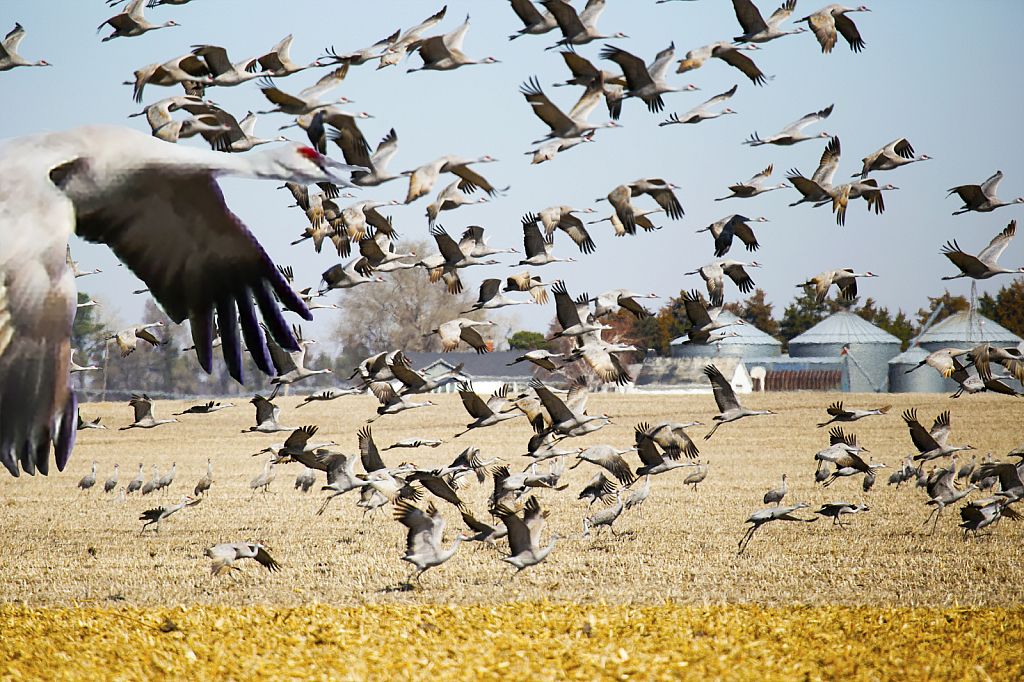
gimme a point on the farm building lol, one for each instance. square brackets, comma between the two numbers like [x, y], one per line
[487, 371]
[686, 375]
[868, 350]
[750, 342]
[965, 329]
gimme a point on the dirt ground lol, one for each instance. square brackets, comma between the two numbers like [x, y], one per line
[62, 547]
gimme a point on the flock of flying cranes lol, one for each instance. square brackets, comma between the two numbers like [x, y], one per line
[88, 166]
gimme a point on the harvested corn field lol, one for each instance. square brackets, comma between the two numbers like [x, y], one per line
[74, 559]
[535, 641]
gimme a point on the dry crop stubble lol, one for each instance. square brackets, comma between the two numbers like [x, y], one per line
[62, 546]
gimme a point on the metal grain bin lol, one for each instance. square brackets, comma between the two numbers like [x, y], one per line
[966, 329]
[868, 349]
[751, 343]
[922, 380]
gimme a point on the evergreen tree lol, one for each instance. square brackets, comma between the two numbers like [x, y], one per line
[527, 340]
[951, 304]
[1007, 308]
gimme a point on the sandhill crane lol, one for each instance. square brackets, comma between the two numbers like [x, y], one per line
[827, 20]
[264, 479]
[523, 281]
[544, 359]
[537, 23]
[485, 413]
[143, 407]
[491, 297]
[672, 438]
[982, 198]
[9, 57]
[642, 81]
[728, 53]
[462, 329]
[136, 483]
[839, 414]
[753, 186]
[391, 402]
[975, 384]
[700, 112]
[305, 480]
[225, 73]
[538, 250]
[377, 164]
[640, 495]
[1010, 358]
[341, 475]
[775, 495]
[83, 424]
[984, 264]
[154, 517]
[568, 313]
[565, 419]
[941, 360]
[524, 535]
[267, 414]
[639, 216]
[610, 301]
[728, 405]
[398, 48]
[602, 358]
[484, 531]
[153, 484]
[474, 243]
[127, 338]
[90, 480]
[289, 365]
[1009, 476]
[234, 135]
[450, 198]
[377, 367]
[148, 191]
[931, 444]
[422, 179]
[548, 150]
[733, 225]
[414, 381]
[654, 462]
[697, 476]
[605, 517]
[586, 74]
[818, 187]
[713, 274]
[75, 367]
[296, 447]
[187, 69]
[378, 253]
[979, 514]
[573, 125]
[608, 457]
[205, 408]
[158, 114]
[131, 22]
[423, 543]
[415, 442]
[206, 481]
[73, 266]
[759, 518]
[278, 61]
[346, 276]
[329, 394]
[167, 479]
[943, 493]
[835, 510]
[363, 55]
[225, 554]
[893, 155]
[577, 28]
[444, 52]
[844, 279]
[308, 100]
[658, 189]
[560, 217]
[599, 488]
[791, 134]
[755, 28]
[841, 195]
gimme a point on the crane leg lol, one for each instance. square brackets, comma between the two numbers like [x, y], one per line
[938, 513]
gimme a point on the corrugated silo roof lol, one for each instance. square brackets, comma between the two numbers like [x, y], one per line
[969, 326]
[844, 327]
[748, 333]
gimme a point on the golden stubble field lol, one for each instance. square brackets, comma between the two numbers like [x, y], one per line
[61, 547]
[84, 596]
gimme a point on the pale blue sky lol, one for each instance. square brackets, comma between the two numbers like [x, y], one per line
[949, 76]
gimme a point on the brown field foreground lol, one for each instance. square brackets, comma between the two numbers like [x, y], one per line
[521, 641]
[84, 594]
